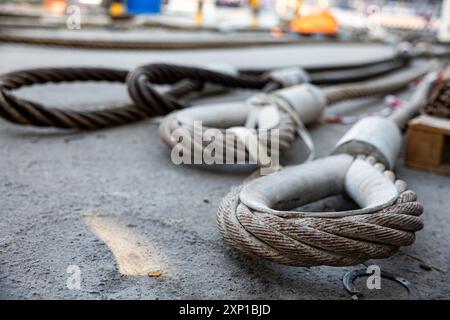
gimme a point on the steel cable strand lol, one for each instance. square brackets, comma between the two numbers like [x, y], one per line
[380, 86]
[363, 73]
[184, 88]
[438, 104]
[140, 83]
[314, 241]
[227, 141]
[170, 126]
[22, 111]
[152, 103]
[348, 73]
[401, 58]
[256, 218]
[412, 108]
[141, 45]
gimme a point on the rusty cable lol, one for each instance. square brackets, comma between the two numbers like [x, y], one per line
[438, 104]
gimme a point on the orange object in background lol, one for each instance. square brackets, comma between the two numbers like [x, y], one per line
[117, 9]
[199, 14]
[55, 6]
[316, 23]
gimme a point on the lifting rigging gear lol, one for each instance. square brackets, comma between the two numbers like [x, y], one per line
[258, 217]
[150, 102]
[287, 110]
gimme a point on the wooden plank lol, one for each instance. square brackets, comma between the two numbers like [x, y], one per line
[428, 143]
[432, 124]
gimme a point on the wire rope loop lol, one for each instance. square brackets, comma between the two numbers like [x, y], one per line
[255, 218]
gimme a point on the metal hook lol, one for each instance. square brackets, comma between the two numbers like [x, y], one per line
[350, 277]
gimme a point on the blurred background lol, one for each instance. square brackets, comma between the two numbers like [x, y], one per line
[330, 18]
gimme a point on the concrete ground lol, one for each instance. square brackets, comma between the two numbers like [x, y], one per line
[72, 199]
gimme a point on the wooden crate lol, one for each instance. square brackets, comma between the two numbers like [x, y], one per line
[428, 145]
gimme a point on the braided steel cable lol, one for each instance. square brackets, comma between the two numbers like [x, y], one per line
[286, 126]
[399, 57]
[339, 67]
[361, 73]
[313, 241]
[150, 103]
[140, 83]
[439, 103]
[142, 45]
[259, 217]
[348, 73]
[26, 112]
[417, 102]
[381, 86]
[227, 141]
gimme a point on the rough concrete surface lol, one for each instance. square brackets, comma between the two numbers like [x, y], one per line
[53, 182]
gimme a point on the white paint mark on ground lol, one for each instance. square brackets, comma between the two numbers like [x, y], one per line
[134, 255]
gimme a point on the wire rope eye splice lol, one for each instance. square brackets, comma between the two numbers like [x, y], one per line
[186, 83]
[256, 130]
[246, 129]
[148, 101]
[257, 218]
